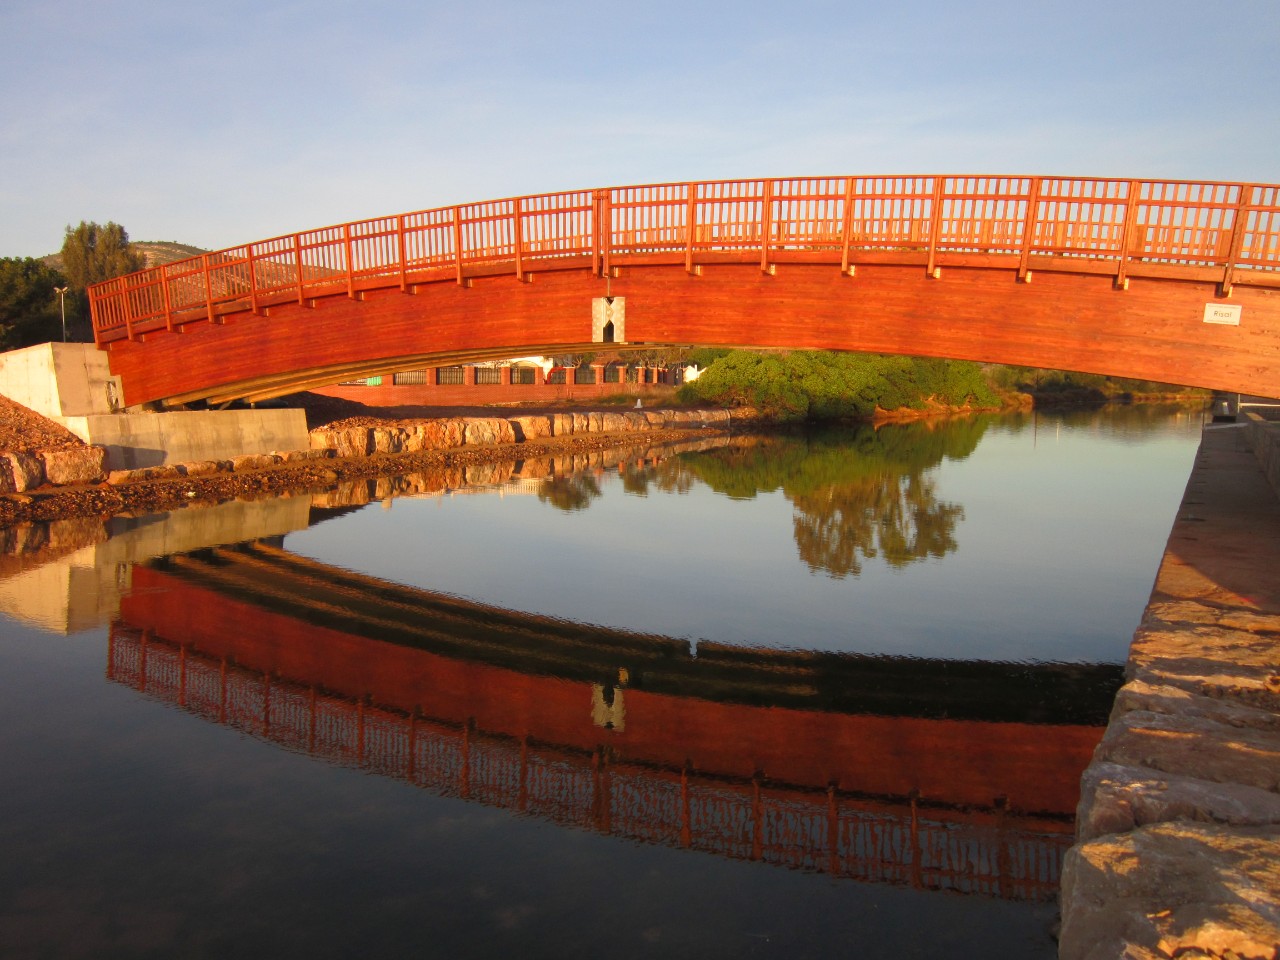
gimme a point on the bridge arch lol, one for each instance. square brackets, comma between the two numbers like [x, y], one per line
[1171, 281]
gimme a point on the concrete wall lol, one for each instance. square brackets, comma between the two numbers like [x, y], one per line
[60, 380]
[136, 440]
[1264, 437]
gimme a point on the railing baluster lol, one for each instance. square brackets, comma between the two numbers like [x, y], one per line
[208, 288]
[766, 225]
[606, 230]
[351, 280]
[518, 237]
[1029, 223]
[457, 242]
[1243, 204]
[847, 228]
[935, 224]
[1130, 220]
[253, 284]
[168, 306]
[690, 220]
[297, 260]
[402, 254]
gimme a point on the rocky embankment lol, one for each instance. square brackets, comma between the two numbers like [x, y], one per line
[47, 474]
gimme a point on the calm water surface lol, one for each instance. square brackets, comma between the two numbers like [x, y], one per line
[790, 697]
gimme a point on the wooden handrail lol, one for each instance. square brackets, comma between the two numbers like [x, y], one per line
[1189, 229]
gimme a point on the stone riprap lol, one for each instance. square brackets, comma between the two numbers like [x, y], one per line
[448, 433]
[22, 472]
[1178, 828]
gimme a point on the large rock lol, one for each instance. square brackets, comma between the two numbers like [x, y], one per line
[1173, 890]
[252, 461]
[613, 422]
[388, 439]
[201, 468]
[489, 430]
[74, 465]
[1199, 652]
[344, 442]
[1194, 747]
[531, 428]
[1115, 798]
[437, 435]
[22, 471]
[1167, 698]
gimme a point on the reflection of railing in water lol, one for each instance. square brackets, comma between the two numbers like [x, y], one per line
[987, 852]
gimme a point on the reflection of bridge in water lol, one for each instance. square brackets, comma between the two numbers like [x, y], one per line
[822, 762]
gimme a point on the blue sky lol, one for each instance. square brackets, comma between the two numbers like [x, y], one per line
[220, 123]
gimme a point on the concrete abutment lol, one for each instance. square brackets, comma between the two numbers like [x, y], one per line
[71, 384]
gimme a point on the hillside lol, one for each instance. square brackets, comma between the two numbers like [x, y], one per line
[155, 252]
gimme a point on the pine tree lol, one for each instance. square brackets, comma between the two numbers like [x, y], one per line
[92, 253]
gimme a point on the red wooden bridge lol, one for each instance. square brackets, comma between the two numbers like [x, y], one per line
[1170, 281]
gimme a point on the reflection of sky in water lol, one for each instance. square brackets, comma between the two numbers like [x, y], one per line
[1065, 519]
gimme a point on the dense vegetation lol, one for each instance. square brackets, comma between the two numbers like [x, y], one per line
[31, 291]
[29, 308]
[811, 385]
[1050, 387]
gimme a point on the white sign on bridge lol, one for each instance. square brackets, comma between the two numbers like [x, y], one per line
[1228, 313]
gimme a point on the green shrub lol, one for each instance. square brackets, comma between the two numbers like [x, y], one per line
[811, 385]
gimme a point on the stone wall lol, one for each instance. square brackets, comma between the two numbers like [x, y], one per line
[1178, 827]
[447, 433]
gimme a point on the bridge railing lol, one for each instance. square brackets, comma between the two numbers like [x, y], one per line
[1222, 232]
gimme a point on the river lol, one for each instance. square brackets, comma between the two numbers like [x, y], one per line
[827, 693]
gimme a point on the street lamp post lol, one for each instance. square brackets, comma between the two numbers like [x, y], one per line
[62, 296]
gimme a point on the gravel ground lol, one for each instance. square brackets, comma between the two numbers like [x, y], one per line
[25, 431]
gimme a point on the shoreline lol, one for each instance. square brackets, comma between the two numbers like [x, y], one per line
[368, 443]
[156, 490]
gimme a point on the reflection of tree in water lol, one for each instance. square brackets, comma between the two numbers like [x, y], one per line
[894, 516]
[574, 492]
[858, 492]
[637, 480]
